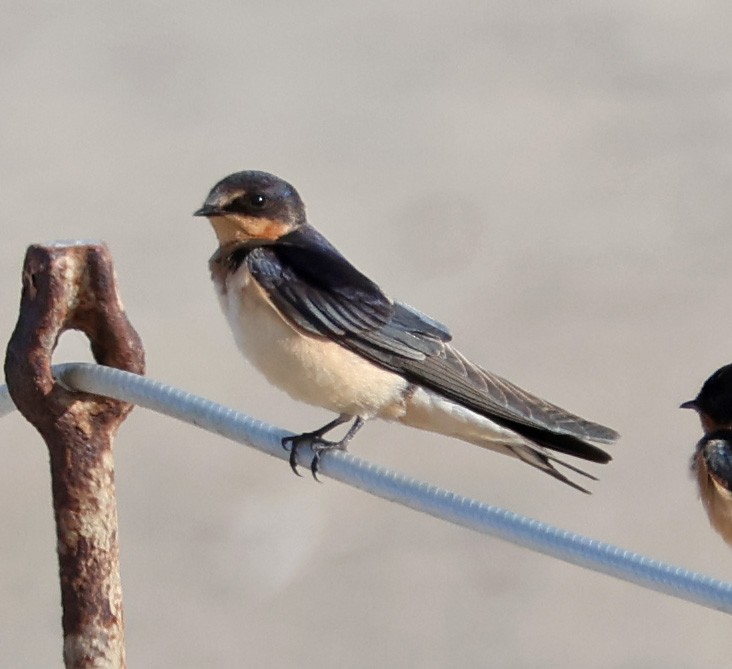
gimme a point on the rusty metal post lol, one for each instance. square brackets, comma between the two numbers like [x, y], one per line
[73, 286]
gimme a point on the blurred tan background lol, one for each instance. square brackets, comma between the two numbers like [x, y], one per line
[550, 179]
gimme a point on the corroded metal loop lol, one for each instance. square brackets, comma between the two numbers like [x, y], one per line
[68, 287]
[73, 286]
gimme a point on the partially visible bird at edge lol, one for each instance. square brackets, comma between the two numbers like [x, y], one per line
[711, 463]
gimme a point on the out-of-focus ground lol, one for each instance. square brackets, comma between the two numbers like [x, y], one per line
[553, 180]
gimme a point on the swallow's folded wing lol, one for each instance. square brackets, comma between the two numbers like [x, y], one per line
[319, 289]
[316, 288]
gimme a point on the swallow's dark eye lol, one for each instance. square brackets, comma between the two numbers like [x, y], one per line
[257, 200]
[248, 203]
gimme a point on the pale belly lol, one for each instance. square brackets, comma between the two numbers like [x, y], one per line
[310, 369]
[427, 410]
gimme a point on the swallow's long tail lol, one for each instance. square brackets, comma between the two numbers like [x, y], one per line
[543, 461]
[565, 443]
[428, 410]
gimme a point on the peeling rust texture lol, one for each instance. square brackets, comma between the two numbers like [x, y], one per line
[73, 287]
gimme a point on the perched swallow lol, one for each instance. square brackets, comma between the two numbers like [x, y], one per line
[326, 334]
[712, 459]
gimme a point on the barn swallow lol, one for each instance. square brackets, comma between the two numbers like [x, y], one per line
[711, 463]
[327, 335]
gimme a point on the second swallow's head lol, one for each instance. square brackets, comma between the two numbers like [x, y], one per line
[252, 206]
[714, 401]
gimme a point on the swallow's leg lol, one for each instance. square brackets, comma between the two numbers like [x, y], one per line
[318, 444]
[319, 448]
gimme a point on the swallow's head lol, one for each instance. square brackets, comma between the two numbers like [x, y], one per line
[714, 401]
[252, 206]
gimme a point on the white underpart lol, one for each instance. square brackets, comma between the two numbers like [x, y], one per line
[428, 410]
[320, 372]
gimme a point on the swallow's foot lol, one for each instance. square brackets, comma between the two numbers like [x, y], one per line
[314, 440]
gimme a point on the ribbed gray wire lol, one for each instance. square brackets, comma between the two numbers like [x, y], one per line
[568, 546]
[6, 404]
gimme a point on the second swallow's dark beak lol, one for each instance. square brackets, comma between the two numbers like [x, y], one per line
[207, 210]
[690, 404]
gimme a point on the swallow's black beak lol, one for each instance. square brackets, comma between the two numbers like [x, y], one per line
[690, 404]
[207, 210]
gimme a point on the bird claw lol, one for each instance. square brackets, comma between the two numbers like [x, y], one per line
[316, 443]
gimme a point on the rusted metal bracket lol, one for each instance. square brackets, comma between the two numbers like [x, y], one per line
[72, 286]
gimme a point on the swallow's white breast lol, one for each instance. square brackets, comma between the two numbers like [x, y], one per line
[310, 369]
